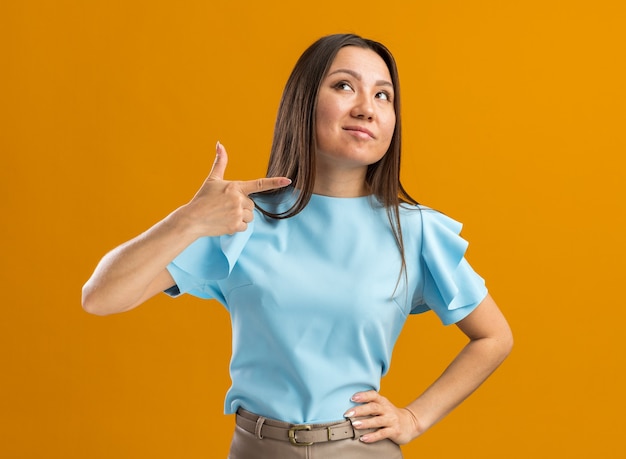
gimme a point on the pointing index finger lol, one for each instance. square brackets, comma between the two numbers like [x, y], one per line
[264, 184]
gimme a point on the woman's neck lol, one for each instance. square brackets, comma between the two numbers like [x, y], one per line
[341, 187]
[341, 184]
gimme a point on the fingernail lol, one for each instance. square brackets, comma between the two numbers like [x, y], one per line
[349, 414]
[356, 398]
[356, 423]
[217, 145]
[364, 438]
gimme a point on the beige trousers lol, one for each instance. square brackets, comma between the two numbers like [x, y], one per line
[246, 445]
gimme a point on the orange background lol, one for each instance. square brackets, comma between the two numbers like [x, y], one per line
[109, 111]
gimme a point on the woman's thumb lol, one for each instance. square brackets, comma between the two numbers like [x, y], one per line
[219, 166]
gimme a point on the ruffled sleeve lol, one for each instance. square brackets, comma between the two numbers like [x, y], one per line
[451, 288]
[207, 260]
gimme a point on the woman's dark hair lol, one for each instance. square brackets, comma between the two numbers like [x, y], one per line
[294, 146]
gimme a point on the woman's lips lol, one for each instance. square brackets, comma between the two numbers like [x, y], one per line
[359, 131]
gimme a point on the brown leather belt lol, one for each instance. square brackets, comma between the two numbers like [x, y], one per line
[296, 434]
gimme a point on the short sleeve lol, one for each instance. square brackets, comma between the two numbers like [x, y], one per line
[197, 269]
[451, 288]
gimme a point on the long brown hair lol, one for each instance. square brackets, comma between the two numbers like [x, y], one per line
[294, 145]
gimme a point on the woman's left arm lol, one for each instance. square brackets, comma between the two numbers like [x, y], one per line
[490, 341]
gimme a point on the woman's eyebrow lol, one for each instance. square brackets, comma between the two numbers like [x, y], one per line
[358, 76]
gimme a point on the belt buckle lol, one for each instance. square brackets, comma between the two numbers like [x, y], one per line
[292, 435]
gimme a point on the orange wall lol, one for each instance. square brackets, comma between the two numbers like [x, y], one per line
[109, 111]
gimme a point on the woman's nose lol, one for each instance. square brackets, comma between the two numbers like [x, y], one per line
[363, 108]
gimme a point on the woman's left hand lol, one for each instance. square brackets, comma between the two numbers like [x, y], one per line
[397, 424]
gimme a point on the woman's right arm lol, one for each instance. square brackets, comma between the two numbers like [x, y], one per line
[135, 271]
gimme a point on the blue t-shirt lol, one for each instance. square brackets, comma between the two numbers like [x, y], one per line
[318, 300]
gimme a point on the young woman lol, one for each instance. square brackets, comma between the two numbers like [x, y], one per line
[319, 266]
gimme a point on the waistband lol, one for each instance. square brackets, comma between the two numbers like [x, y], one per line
[297, 434]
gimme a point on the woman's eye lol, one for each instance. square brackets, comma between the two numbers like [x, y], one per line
[383, 95]
[343, 86]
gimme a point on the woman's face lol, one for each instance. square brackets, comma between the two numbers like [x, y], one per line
[355, 116]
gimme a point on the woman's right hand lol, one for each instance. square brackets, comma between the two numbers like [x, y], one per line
[137, 270]
[221, 206]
